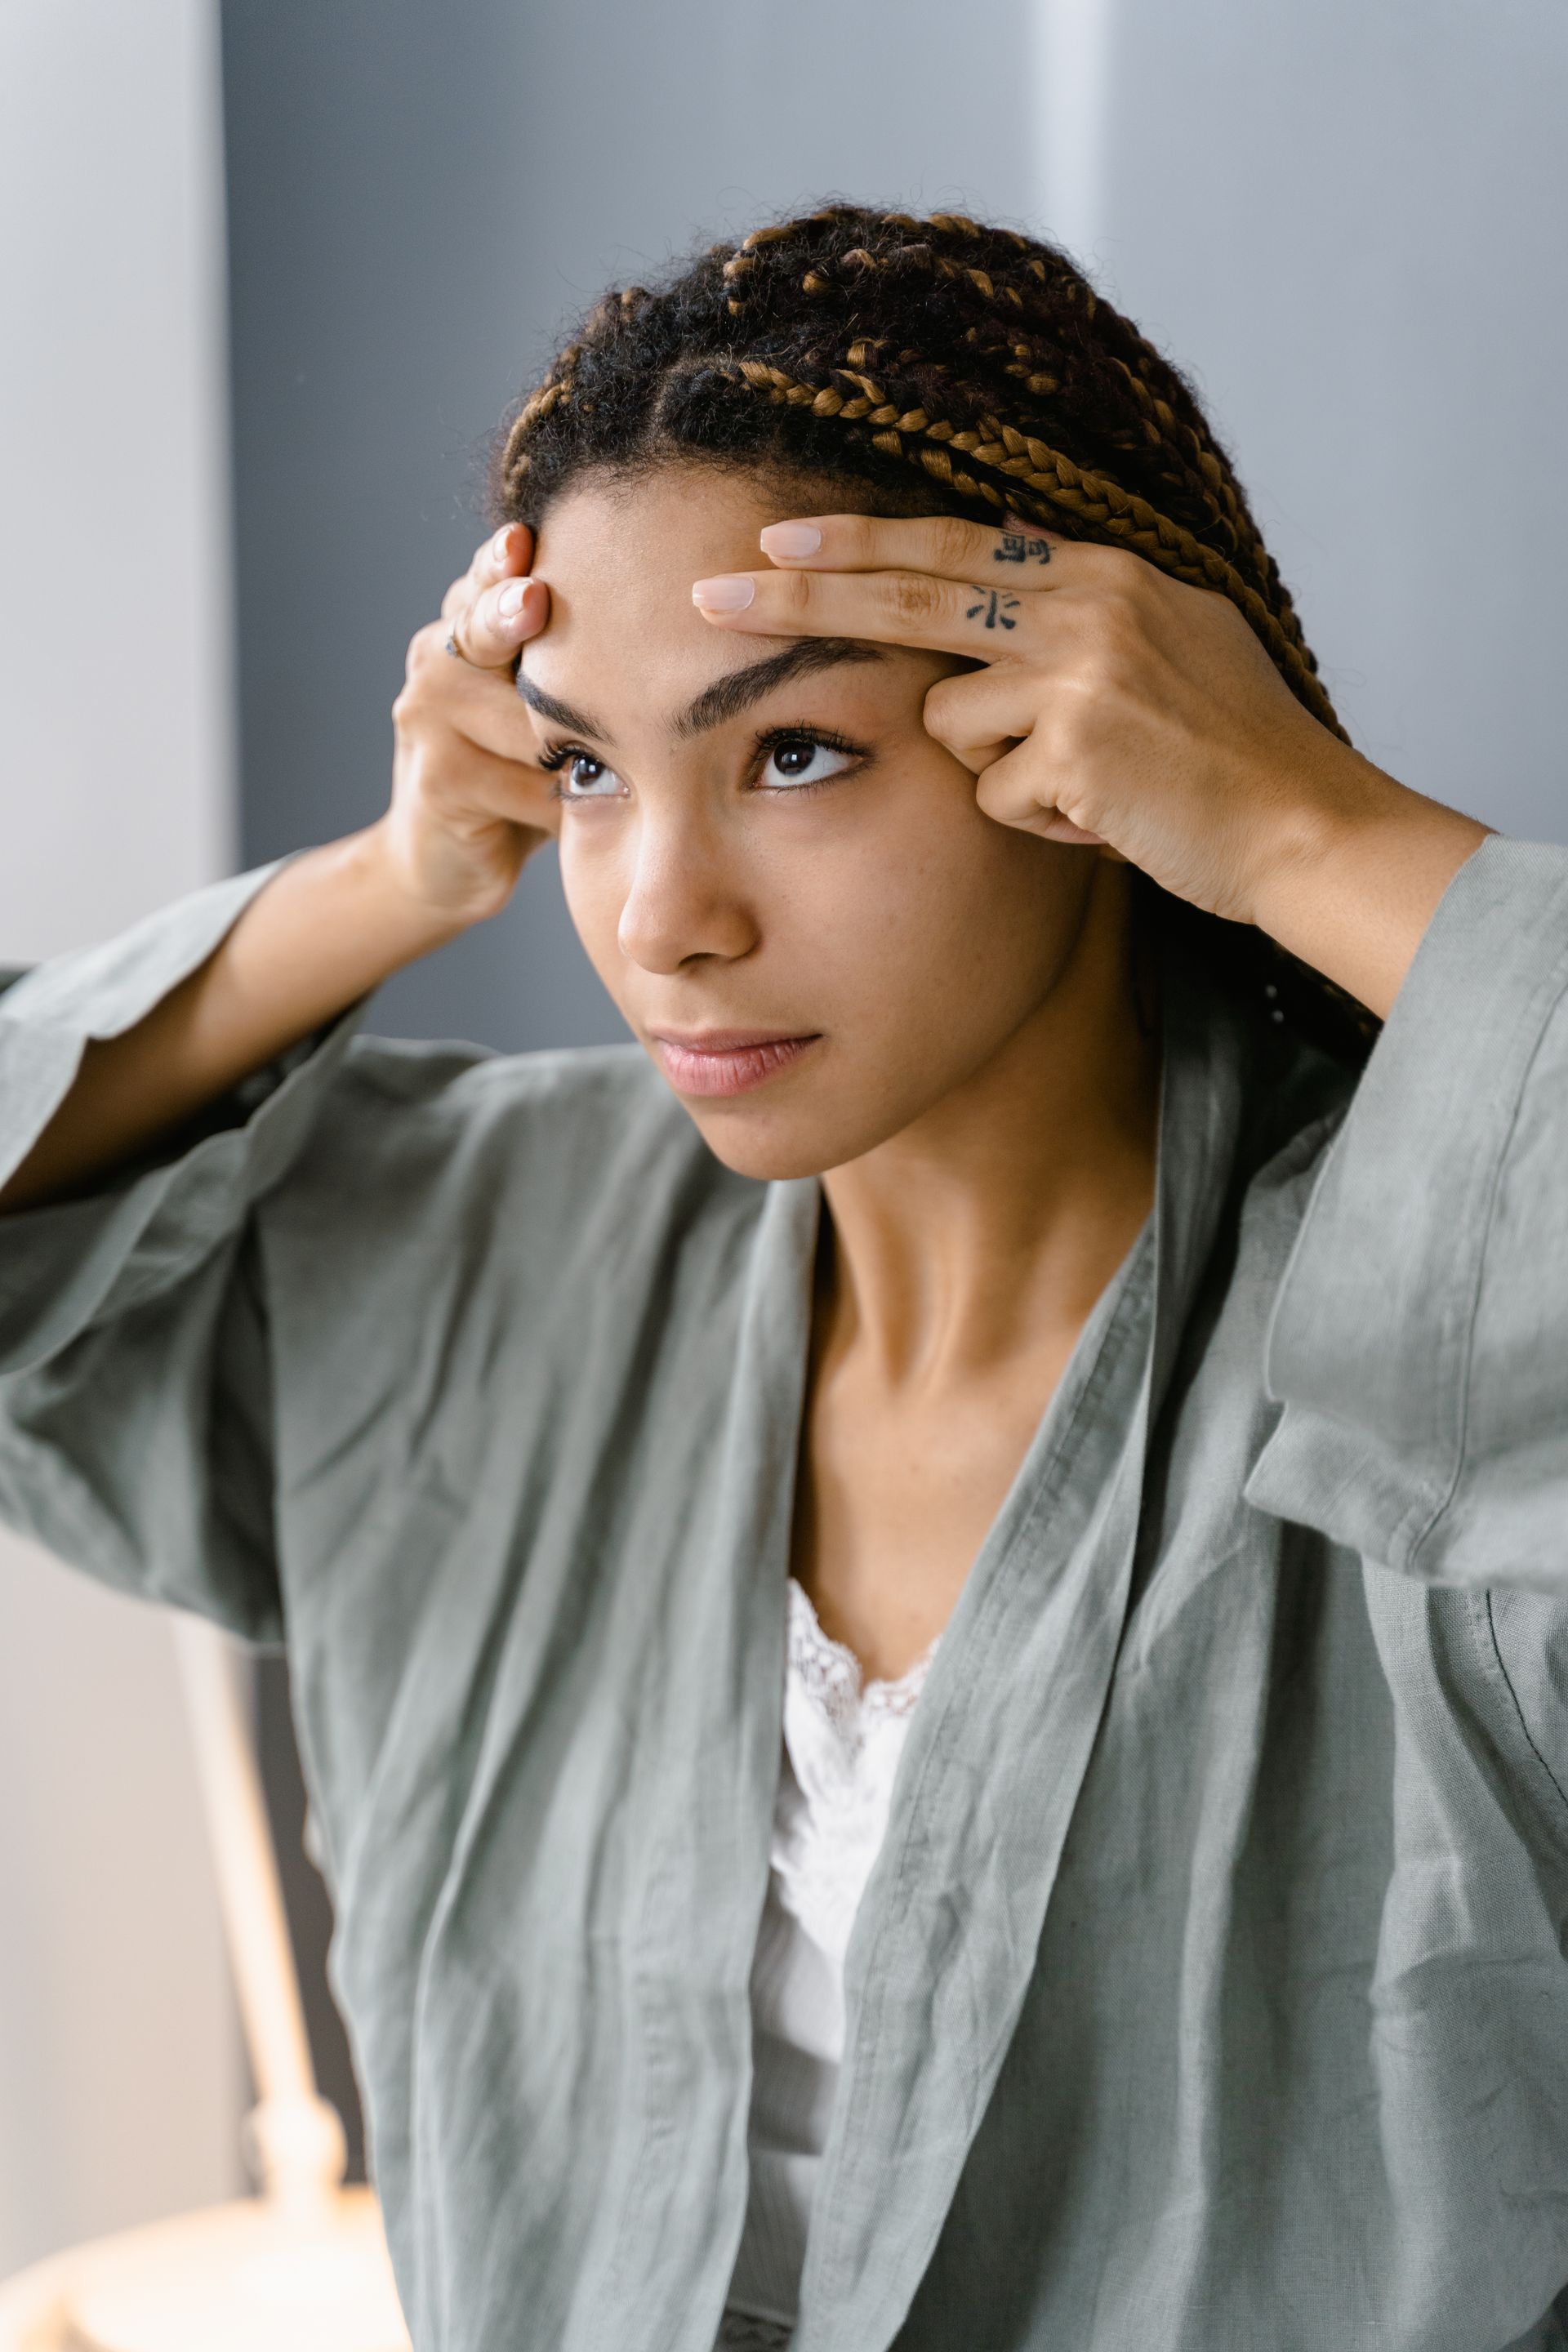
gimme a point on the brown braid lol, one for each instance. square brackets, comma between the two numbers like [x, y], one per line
[935, 364]
[1061, 487]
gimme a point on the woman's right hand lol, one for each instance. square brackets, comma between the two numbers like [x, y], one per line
[469, 805]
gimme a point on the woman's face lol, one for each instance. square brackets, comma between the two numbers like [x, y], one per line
[784, 884]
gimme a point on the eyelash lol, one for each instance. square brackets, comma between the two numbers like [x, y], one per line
[826, 739]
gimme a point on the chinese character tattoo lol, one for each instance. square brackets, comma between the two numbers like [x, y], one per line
[1018, 548]
[996, 605]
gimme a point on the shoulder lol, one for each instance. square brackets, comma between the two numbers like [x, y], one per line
[459, 1088]
[437, 1136]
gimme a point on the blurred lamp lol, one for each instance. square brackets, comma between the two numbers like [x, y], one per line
[301, 2267]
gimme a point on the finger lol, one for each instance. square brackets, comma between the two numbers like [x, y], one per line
[481, 706]
[508, 551]
[1014, 792]
[488, 633]
[982, 713]
[976, 617]
[945, 545]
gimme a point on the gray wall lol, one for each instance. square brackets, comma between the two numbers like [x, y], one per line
[1347, 218]
[418, 198]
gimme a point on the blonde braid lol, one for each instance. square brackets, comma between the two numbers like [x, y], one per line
[1206, 472]
[1203, 469]
[511, 467]
[613, 309]
[1056, 482]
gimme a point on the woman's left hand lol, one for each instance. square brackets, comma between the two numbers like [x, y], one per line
[1118, 706]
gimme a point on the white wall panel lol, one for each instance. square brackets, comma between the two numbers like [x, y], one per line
[119, 2075]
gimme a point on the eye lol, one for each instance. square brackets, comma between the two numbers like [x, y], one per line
[583, 778]
[802, 759]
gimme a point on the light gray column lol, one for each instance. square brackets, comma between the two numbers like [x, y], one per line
[120, 2084]
[1347, 221]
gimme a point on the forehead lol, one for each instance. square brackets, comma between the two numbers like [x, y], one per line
[620, 558]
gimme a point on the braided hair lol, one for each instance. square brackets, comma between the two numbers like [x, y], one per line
[941, 366]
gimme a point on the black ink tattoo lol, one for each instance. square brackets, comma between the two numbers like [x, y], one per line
[996, 604]
[1017, 549]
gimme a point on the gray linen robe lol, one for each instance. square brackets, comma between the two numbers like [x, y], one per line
[1209, 1990]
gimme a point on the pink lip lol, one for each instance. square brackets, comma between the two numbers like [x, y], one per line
[725, 1061]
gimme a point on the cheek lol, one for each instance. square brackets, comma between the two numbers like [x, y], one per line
[951, 929]
[594, 883]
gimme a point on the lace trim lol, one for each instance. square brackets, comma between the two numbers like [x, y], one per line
[828, 1673]
[739, 2332]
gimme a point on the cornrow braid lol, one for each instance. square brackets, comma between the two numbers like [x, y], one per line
[1059, 487]
[931, 365]
[558, 382]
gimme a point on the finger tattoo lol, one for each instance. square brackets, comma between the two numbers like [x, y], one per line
[1018, 547]
[996, 605]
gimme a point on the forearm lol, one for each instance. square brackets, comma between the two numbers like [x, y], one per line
[323, 932]
[1354, 889]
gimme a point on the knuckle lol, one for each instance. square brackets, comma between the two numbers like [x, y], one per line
[423, 649]
[1101, 564]
[1119, 623]
[796, 591]
[1124, 580]
[913, 597]
[953, 542]
[940, 708]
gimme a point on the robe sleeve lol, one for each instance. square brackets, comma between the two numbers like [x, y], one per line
[1419, 1340]
[135, 1407]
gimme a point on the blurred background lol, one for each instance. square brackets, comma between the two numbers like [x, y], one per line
[270, 270]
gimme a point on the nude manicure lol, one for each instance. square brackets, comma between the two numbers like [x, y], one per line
[732, 591]
[791, 539]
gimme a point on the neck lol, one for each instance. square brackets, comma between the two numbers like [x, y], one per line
[988, 1228]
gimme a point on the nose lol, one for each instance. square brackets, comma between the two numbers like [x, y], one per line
[684, 899]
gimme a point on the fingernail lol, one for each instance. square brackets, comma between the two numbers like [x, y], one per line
[500, 545]
[730, 592]
[791, 539]
[508, 600]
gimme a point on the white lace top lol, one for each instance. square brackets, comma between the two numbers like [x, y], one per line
[842, 1742]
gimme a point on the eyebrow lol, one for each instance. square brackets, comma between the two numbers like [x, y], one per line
[739, 688]
[728, 695]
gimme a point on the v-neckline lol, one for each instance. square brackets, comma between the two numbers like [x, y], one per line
[943, 1946]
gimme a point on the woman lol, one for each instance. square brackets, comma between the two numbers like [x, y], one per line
[992, 1223]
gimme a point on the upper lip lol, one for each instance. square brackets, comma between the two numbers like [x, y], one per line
[727, 1041]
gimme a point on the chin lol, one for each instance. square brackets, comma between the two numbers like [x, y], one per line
[770, 1155]
[773, 1149]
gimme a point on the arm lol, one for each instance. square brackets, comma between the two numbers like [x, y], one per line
[1417, 1339]
[467, 808]
[137, 1320]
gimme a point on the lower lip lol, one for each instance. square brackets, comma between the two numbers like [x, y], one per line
[733, 1072]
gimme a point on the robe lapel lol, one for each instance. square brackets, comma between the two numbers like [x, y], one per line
[945, 1943]
[681, 2195]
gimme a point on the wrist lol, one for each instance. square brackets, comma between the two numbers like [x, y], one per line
[408, 916]
[1355, 876]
